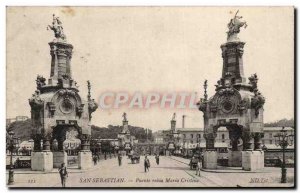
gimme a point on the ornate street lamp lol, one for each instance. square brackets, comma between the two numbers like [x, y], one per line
[11, 149]
[198, 145]
[98, 147]
[283, 139]
[176, 137]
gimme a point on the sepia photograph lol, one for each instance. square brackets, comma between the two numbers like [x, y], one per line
[150, 97]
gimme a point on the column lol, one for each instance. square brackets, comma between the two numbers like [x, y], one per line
[252, 156]
[85, 154]
[60, 155]
[257, 141]
[210, 155]
[234, 156]
[42, 160]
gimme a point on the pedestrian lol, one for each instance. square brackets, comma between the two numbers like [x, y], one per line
[146, 164]
[95, 159]
[199, 166]
[120, 159]
[63, 174]
[157, 159]
[98, 157]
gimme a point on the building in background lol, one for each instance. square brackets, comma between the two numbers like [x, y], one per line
[17, 118]
[192, 139]
[26, 147]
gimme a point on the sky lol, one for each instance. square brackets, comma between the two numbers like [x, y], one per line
[151, 49]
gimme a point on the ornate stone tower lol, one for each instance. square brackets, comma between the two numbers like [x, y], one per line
[58, 109]
[173, 136]
[236, 105]
[125, 139]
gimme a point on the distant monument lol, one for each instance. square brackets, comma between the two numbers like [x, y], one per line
[124, 137]
[236, 105]
[173, 136]
[173, 123]
[57, 109]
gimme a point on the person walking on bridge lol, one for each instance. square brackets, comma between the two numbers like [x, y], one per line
[63, 174]
[120, 159]
[146, 164]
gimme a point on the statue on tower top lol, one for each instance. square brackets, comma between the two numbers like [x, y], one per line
[174, 117]
[57, 28]
[124, 116]
[234, 27]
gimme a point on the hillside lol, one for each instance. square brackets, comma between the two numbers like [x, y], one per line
[22, 129]
[281, 123]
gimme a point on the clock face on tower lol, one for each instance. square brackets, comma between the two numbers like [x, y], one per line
[228, 105]
[226, 102]
[66, 106]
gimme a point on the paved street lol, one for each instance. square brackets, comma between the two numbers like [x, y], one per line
[172, 172]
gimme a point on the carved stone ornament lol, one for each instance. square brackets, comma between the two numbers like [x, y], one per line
[35, 101]
[243, 105]
[79, 109]
[66, 93]
[92, 107]
[40, 81]
[52, 108]
[202, 104]
[253, 81]
[257, 102]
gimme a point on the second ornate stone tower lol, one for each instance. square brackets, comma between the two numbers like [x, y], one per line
[236, 105]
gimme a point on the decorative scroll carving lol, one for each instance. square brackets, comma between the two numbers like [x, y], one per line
[85, 142]
[243, 105]
[92, 105]
[66, 92]
[35, 101]
[52, 108]
[79, 109]
[257, 102]
[253, 81]
[210, 140]
[40, 81]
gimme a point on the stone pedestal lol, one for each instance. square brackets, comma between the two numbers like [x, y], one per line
[85, 160]
[235, 159]
[60, 157]
[210, 159]
[252, 160]
[42, 161]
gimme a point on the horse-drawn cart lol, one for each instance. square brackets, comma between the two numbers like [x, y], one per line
[135, 158]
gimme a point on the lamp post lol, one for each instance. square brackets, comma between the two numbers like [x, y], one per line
[198, 145]
[11, 148]
[176, 137]
[283, 139]
[184, 148]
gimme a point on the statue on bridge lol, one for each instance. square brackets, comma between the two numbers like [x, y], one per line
[57, 28]
[124, 116]
[234, 27]
[174, 117]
